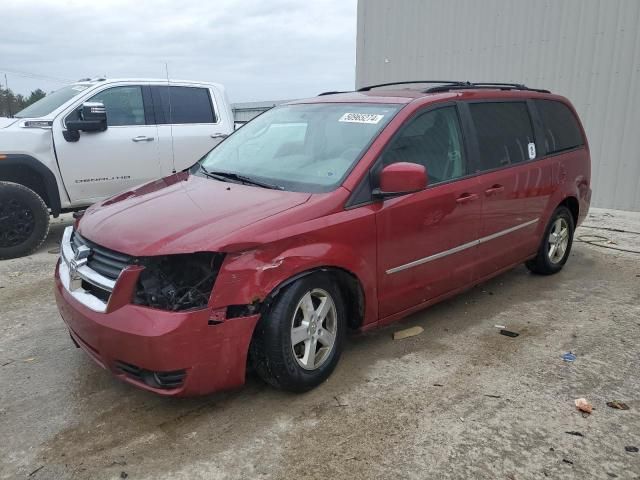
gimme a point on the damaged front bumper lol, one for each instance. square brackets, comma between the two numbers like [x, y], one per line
[136, 342]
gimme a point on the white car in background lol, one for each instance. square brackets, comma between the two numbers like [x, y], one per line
[95, 138]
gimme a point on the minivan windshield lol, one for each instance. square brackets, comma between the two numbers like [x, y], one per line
[301, 147]
[49, 103]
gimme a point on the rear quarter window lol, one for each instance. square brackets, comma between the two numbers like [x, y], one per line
[561, 129]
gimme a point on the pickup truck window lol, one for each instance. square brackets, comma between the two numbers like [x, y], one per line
[304, 147]
[180, 105]
[49, 103]
[124, 105]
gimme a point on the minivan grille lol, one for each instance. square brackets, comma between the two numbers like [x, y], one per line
[102, 260]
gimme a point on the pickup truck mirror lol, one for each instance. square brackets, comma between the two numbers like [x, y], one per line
[400, 178]
[93, 118]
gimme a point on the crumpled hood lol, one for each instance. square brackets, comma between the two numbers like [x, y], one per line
[181, 213]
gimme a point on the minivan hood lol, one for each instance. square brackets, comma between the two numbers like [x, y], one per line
[181, 213]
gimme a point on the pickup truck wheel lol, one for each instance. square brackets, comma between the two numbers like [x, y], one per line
[298, 343]
[556, 244]
[24, 220]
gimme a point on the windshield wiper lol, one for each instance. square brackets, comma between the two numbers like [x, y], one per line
[225, 176]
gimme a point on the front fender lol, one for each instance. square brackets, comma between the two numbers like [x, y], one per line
[251, 276]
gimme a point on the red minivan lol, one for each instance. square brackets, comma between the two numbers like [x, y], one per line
[347, 211]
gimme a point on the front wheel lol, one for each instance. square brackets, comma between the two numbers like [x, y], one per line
[556, 244]
[24, 220]
[298, 343]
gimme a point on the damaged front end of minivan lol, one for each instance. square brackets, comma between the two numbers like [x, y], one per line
[177, 282]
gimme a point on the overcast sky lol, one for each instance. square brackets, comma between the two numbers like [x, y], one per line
[259, 49]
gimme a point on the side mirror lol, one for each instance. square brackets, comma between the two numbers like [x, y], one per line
[400, 178]
[93, 118]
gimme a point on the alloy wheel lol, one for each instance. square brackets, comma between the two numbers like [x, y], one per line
[16, 223]
[558, 240]
[314, 328]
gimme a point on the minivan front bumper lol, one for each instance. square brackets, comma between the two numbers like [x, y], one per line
[169, 353]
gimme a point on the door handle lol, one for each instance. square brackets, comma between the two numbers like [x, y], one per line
[493, 190]
[142, 138]
[219, 135]
[466, 198]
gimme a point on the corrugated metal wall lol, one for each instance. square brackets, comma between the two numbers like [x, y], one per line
[587, 50]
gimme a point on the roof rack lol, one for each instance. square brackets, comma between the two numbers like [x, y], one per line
[483, 85]
[448, 82]
[333, 92]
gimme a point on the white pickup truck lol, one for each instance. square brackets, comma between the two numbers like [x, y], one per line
[95, 138]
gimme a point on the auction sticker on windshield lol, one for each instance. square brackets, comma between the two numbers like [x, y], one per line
[361, 118]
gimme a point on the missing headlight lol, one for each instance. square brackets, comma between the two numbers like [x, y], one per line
[177, 282]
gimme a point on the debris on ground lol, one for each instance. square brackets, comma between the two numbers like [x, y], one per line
[340, 401]
[55, 250]
[500, 326]
[408, 332]
[583, 405]
[507, 333]
[575, 433]
[492, 396]
[618, 405]
[36, 471]
[124, 475]
[567, 461]
[569, 357]
[438, 385]
[631, 449]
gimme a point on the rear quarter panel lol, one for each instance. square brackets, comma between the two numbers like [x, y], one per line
[571, 172]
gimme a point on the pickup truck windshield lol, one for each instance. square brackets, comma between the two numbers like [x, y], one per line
[304, 147]
[48, 104]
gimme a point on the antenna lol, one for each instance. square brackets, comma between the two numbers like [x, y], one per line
[6, 86]
[173, 154]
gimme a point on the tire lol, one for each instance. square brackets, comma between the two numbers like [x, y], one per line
[549, 260]
[24, 220]
[284, 363]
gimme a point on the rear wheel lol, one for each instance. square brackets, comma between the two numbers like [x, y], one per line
[24, 220]
[298, 343]
[556, 244]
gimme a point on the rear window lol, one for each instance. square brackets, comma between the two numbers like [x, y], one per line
[505, 133]
[178, 105]
[561, 130]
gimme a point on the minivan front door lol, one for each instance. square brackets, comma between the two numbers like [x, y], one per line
[101, 164]
[427, 240]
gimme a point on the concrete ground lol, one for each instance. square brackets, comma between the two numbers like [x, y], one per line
[457, 401]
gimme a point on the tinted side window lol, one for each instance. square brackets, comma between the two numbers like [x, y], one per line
[182, 105]
[561, 130]
[504, 133]
[434, 140]
[124, 105]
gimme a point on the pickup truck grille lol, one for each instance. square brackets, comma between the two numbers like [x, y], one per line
[102, 260]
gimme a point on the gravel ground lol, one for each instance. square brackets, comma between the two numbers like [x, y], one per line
[457, 401]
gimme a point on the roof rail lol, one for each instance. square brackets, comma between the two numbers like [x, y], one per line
[331, 93]
[484, 85]
[448, 82]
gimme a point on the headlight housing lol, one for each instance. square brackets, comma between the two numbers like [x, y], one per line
[177, 282]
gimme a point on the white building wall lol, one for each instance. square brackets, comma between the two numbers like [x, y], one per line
[587, 50]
